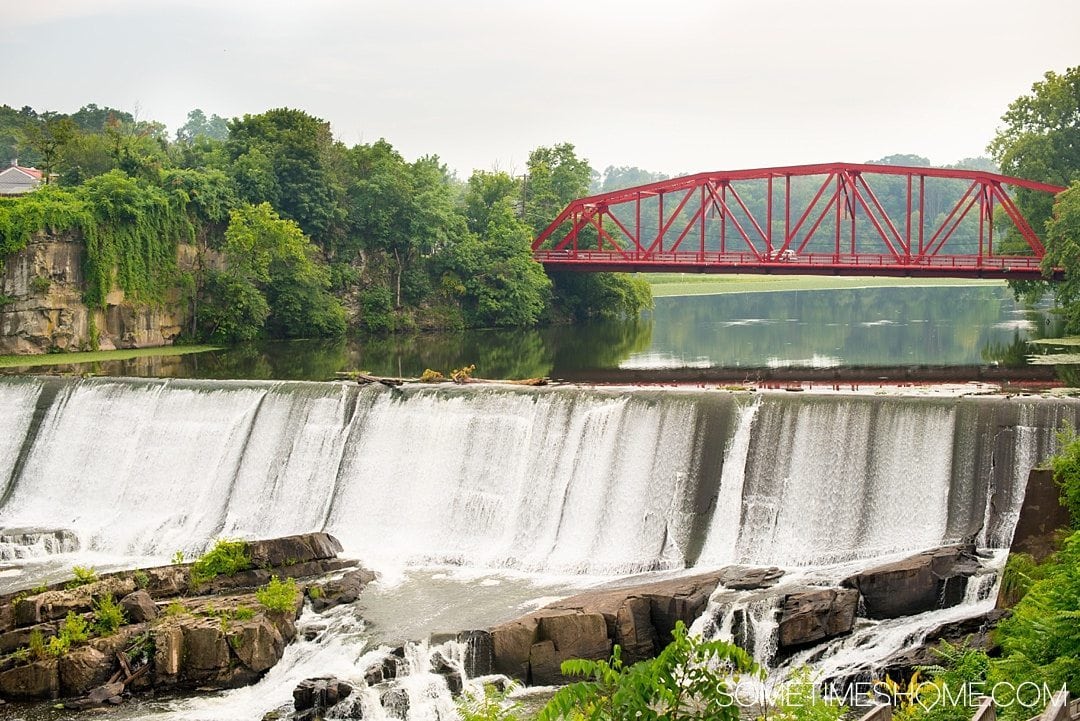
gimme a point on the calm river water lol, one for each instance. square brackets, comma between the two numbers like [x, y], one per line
[858, 327]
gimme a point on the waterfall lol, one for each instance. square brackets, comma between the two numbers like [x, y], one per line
[522, 489]
[564, 480]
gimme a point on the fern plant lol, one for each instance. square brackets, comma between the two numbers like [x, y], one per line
[490, 705]
[690, 679]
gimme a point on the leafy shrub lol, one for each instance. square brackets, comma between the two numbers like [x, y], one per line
[233, 309]
[83, 576]
[1040, 641]
[1066, 466]
[377, 310]
[226, 558]
[40, 285]
[1021, 571]
[278, 596]
[175, 609]
[108, 616]
[799, 700]
[491, 705]
[688, 680]
[178, 558]
[37, 647]
[73, 631]
[940, 695]
[142, 580]
[315, 592]
[243, 613]
[142, 647]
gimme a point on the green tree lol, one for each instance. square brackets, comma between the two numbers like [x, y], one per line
[556, 177]
[199, 126]
[1040, 140]
[1063, 251]
[86, 156]
[13, 129]
[494, 274]
[293, 167]
[483, 192]
[48, 139]
[402, 212]
[269, 257]
[139, 148]
[607, 296]
[92, 119]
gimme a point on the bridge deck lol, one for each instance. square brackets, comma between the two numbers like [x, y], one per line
[1007, 268]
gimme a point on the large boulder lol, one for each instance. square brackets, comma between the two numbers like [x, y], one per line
[479, 653]
[205, 649]
[640, 618]
[36, 680]
[339, 591]
[745, 578]
[168, 653]
[291, 550]
[319, 694]
[924, 582]
[511, 646]
[815, 615]
[139, 607]
[83, 669]
[257, 643]
[55, 604]
[563, 637]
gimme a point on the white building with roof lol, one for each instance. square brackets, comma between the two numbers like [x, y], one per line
[16, 180]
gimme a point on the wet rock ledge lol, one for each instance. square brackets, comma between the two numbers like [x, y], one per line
[640, 618]
[174, 628]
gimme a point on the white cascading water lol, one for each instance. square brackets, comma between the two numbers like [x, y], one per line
[829, 481]
[536, 482]
[17, 401]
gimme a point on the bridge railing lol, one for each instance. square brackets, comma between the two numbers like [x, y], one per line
[808, 260]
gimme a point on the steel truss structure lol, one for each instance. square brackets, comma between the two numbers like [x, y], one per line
[702, 223]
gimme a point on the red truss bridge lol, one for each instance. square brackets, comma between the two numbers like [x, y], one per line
[830, 219]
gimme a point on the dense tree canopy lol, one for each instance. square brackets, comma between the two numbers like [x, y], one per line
[1041, 141]
[296, 234]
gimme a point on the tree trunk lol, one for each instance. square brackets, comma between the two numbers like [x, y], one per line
[397, 291]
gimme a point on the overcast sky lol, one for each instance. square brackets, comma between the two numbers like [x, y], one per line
[670, 86]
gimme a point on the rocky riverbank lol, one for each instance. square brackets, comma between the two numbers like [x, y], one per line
[185, 627]
[640, 618]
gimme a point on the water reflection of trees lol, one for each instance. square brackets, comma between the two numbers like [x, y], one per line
[495, 353]
[869, 327]
[599, 345]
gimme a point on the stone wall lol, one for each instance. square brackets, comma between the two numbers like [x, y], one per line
[43, 308]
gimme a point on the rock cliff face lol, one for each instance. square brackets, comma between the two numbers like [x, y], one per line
[42, 308]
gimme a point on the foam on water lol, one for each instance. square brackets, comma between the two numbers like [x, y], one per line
[542, 481]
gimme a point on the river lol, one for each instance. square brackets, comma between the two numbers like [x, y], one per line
[477, 504]
[943, 326]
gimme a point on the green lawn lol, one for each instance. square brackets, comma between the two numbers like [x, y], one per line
[55, 359]
[672, 284]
